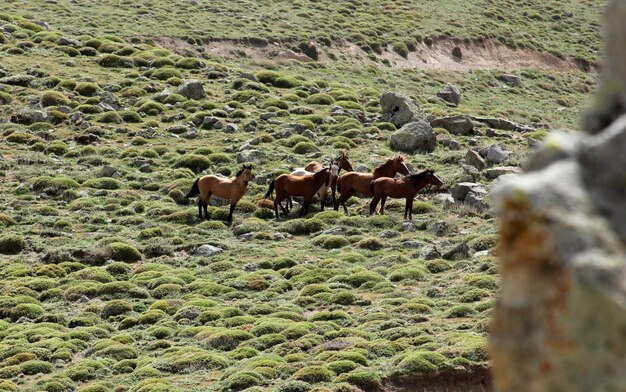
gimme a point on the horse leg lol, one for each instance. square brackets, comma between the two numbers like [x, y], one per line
[410, 203]
[206, 205]
[323, 199]
[383, 199]
[232, 209]
[200, 203]
[342, 200]
[373, 204]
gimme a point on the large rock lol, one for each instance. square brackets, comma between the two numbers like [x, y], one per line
[560, 321]
[191, 89]
[462, 189]
[474, 159]
[208, 250]
[456, 125]
[400, 109]
[450, 94]
[417, 136]
[495, 172]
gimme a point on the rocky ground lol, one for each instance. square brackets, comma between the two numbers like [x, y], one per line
[110, 282]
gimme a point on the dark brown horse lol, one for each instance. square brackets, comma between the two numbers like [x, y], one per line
[232, 189]
[352, 183]
[405, 187]
[342, 161]
[306, 186]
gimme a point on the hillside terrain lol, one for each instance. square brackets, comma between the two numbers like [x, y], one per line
[110, 282]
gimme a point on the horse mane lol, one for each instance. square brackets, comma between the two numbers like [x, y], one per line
[420, 175]
[240, 172]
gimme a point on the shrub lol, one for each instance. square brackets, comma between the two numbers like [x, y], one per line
[130, 116]
[305, 148]
[87, 89]
[120, 251]
[11, 244]
[286, 82]
[303, 226]
[371, 244]
[31, 311]
[460, 311]
[197, 163]
[109, 117]
[349, 105]
[294, 386]
[35, 367]
[419, 362]
[115, 61]
[484, 242]
[313, 374]
[320, 99]
[54, 98]
[401, 49]
[331, 241]
[94, 388]
[5, 98]
[190, 63]
[151, 108]
[6, 220]
[267, 77]
[242, 380]
[275, 102]
[166, 73]
[115, 308]
[228, 339]
[103, 183]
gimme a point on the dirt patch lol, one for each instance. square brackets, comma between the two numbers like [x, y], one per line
[477, 379]
[442, 54]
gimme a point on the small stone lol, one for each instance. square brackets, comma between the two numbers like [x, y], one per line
[191, 89]
[458, 252]
[497, 154]
[208, 250]
[510, 79]
[231, 128]
[429, 252]
[496, 172]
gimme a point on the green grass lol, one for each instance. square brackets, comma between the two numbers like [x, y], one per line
[106, 267]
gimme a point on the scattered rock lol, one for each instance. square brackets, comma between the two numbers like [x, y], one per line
[429, 252]
[497, 154]
[231, 128]
[29, 116]
[191, 89]
[17, 80]
[474, 159]
[407, 226]
[417, 136]
[109, 171]
[208, 250]
[496, 172]
[67, 41]
[446, 199]
[400, 109]
[510, 79]
[459, 252]
[246, 156]
[461, 190]
[456, 125]
[504, 125]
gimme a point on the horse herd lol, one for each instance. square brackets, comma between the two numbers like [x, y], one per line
[316, 178]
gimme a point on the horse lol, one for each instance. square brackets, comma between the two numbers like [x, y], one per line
[287, 185]
[342, 161]
[334, 172]
[232, 189]
[405, 187]
[351, 183]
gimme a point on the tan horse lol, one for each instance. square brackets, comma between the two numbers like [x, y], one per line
[233, 189]
[287, 185]
[401, 188]
[342, 161]
[352, 183]
[334, 173]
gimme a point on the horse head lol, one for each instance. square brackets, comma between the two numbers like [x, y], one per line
[399, 165]
[343, 162]
[245, 172]
[433, 179]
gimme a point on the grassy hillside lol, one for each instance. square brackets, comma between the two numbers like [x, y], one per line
[102, 287]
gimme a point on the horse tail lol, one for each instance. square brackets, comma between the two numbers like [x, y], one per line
[372, 187]
[195, 190]
[270, 190]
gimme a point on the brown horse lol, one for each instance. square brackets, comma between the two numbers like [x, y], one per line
[405, 187]
[232, 189]
[287, 185]
[351, 183]
[342, 161]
